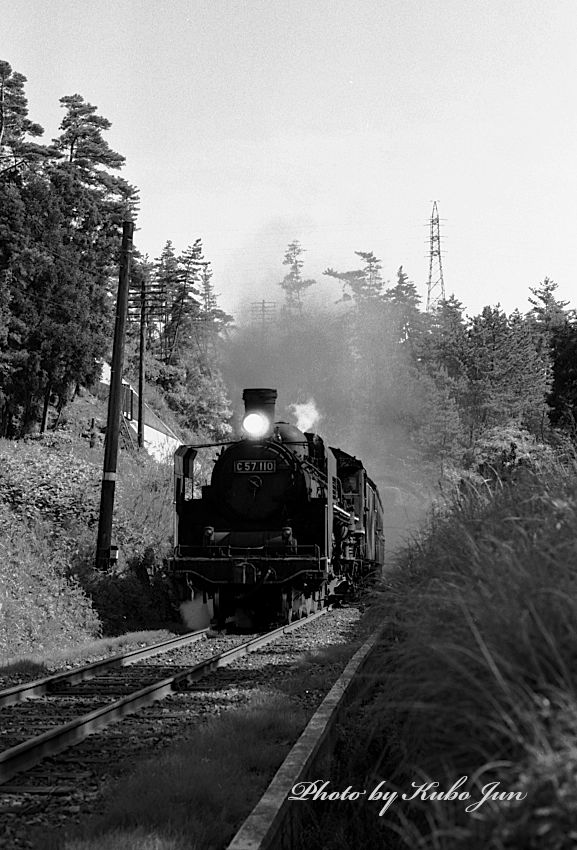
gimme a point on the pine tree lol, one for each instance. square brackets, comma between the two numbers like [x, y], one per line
[15, 125]
[81, 140]
[444, 347]
[293, 284]
[563, 397]
[508, 377]
[547, 311]
[59, 240]
[404, 300]
[186, 367]
[439, 431]
[164, 282]
[183, 300]
[531, 374]
[213, 320]
[87, 160]
[60, 313]
[365, 284]
[556, 328]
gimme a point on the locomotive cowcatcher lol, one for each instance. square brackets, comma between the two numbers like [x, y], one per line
[286, 524]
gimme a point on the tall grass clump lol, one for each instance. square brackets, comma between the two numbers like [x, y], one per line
[40, 606]
[135, 593]
[51, 595]
[145, 504]
[477, 674]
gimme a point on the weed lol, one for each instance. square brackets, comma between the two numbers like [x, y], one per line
[476, 673]
[196, 796]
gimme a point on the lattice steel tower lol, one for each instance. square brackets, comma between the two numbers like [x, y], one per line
[436, 287]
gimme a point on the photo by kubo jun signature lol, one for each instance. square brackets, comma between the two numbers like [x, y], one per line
[318, 789]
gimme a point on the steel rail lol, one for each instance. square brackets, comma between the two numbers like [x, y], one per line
[27, 754]
[41, 687]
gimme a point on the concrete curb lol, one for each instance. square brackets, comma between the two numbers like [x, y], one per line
[275, 823]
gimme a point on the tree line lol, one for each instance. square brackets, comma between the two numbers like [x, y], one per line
[61, 208]
[184, 327]
[432, 383]
[62, 205]
[394, 381]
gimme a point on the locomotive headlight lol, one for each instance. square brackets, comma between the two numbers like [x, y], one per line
[255, 425]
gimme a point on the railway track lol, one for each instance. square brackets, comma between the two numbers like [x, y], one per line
[66, 792]
[40, 687]
[92, 697]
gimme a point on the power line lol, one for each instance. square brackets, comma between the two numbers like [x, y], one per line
[263, 313]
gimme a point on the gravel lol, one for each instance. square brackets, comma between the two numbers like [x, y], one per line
[36, 666]
[80, 776]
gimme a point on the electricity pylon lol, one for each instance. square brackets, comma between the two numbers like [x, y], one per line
[436, 287]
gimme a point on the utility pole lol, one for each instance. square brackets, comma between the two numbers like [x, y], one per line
[264, 313]
[141, 371]
[436, 286]
[103, 545]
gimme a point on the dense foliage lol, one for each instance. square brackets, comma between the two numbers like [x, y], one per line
[51, 595]
[431, 383]
[183, 327]
[61, 210]
[393, 381]
[61, 207]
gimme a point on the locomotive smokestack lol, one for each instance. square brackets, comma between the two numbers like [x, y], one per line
[261, 401]
[259, 412]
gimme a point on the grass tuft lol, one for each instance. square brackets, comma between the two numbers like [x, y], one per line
[196, 797]
[476, 674]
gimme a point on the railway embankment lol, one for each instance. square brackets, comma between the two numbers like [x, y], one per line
[52, 599]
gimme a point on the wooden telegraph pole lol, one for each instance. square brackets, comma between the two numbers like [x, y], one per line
[114, 404]
[141, 370]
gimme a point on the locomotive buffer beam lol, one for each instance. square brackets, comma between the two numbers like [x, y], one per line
[216, 571]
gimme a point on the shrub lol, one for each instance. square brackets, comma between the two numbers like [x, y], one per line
[41, 607]
[49, 500]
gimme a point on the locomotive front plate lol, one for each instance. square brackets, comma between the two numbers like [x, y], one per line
[255, 466]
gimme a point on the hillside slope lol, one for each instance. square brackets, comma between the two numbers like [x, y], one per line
[49, 502]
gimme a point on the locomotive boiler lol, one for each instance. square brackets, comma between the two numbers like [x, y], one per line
[285, 525]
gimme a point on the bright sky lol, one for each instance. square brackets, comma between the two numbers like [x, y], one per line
[251, 123]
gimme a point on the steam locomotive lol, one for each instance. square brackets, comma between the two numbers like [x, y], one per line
[285, 525]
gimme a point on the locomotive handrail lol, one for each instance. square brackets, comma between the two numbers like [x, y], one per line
[247, 551]
[210, 445]
[315, 471]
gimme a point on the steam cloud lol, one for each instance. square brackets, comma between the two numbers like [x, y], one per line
[306, 414]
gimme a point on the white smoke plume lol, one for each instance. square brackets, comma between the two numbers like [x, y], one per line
[307, 415]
